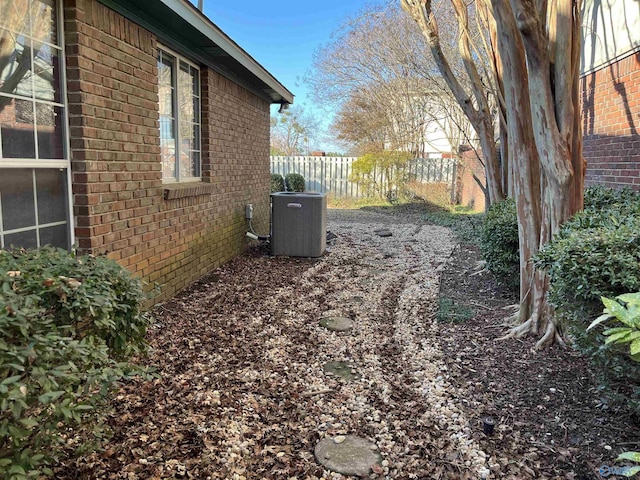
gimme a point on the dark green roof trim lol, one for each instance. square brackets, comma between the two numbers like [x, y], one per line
[182, 27]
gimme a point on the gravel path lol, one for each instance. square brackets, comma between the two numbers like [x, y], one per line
[396, 338]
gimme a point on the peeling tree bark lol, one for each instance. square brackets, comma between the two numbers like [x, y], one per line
[536, 59]
[544, 139]
[527, 171]
[498, 73]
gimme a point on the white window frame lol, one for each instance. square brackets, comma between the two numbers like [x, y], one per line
[35, 163]
[176, 117]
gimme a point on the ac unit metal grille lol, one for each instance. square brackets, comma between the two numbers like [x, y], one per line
[298, 224]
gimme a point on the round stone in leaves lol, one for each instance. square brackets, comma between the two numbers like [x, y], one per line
[341, 369]
[348, 455]
[337, 324]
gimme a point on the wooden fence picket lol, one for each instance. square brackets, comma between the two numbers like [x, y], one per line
[331, 174]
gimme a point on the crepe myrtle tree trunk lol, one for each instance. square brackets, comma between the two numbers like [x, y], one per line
[475, 104]
[539, 47]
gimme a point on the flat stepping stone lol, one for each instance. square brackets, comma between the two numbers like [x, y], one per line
[336, 324]
[347, 455]
[373, 262]
[383, 233]
[341, 369]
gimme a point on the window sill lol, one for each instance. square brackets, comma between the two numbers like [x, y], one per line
[184, 190]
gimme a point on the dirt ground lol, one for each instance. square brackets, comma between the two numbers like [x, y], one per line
[243, 393]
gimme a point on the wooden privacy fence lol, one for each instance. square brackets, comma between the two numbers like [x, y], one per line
[331, 174]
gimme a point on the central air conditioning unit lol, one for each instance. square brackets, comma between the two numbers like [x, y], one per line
[298, 224]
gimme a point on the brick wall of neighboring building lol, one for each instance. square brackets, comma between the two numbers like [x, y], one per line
[469, 192]
[169, 236]
[611, 123]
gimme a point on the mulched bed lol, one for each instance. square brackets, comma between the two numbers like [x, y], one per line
[552, 420]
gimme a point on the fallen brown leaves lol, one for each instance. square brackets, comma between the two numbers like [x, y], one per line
[242, 392]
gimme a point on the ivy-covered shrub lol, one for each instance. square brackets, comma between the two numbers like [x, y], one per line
[67, 323]
[597, 254]
[294, 182]
[499, 242]
[277, 183]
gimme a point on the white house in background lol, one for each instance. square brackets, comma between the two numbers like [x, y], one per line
[431, 121]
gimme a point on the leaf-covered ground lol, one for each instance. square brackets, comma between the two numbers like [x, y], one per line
[553, 421]
[243, 393]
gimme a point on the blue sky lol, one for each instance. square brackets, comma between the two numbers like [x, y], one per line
[282, 34]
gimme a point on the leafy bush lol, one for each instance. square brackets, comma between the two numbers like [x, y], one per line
[597, 254]
[632, 470]
[599, 197]
[604, 207]
[277, 183]
[587, 263]
[382, 174]
[626, 310]
[499, 242]
[66, 322]
[294, 182]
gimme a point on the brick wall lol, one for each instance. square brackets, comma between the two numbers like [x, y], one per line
[611, 123]
[469, 192]
[169, 236]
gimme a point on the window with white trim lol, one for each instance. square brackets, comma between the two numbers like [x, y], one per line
[179, 97]
[34, 166]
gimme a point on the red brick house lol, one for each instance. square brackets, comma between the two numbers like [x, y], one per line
[610, 87]
[135, 129]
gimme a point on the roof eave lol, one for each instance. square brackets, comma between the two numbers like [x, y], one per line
[206, 27]
[189, 32]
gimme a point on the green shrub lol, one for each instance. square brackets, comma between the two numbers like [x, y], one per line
[597, 254]
[294, 182]
[599, 197]
[382, 174]
[625, 374]
[604, 207]
[66, 324]
[277, 183]
[587, 263]
[499, 242]
[629, 456]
